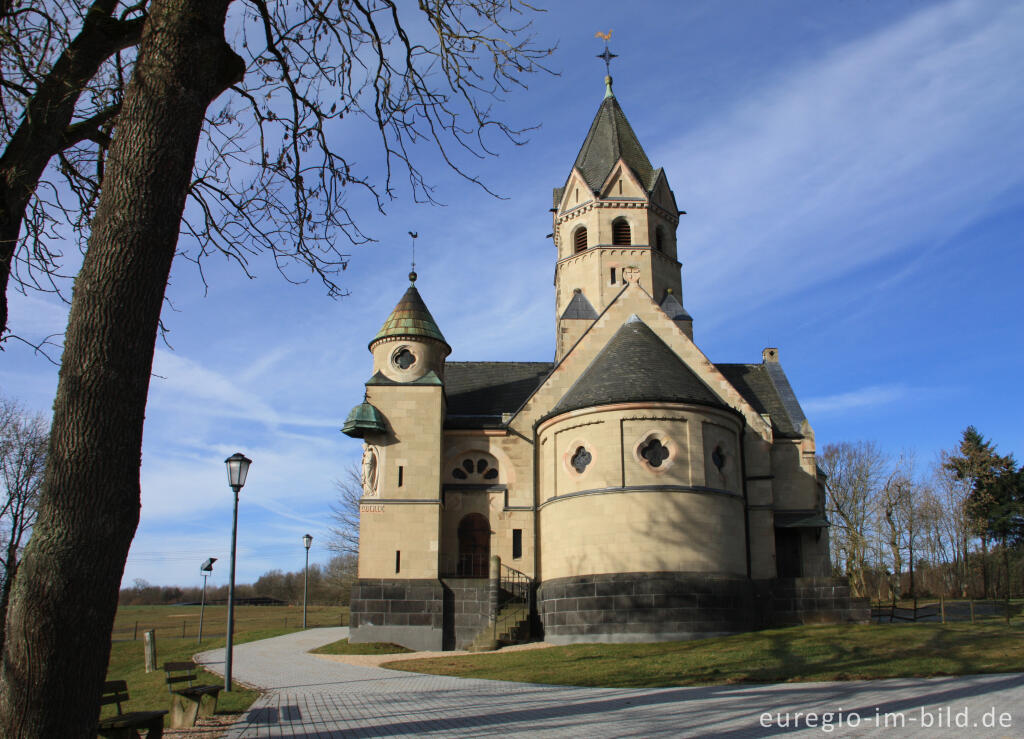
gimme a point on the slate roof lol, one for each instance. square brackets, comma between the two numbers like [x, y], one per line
[478, 393]
[674, 309]
[636, 366]
[755, 383]
[579, 307]
[609, 139]
[411, 318]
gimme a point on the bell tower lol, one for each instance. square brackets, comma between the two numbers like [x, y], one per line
[615, 212]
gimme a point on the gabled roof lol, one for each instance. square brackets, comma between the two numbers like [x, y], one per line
[755, 383]
[611, 138]
[579, 307]
[636, 366]
[478, 393]
[411, 319]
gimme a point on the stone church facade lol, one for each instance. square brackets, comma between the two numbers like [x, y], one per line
[639, 490]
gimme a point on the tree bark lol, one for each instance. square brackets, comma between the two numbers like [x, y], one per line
[65, 593]
[44, 128]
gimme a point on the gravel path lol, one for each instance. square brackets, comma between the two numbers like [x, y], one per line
[309, 696]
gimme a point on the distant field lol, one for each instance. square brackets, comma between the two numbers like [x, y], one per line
[149, 691]
[172, 622]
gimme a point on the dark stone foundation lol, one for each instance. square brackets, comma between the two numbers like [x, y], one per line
[644, 606]
[406, 612]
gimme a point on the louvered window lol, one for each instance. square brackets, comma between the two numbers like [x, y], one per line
[579, 240]
[620, 232]
[659, 238]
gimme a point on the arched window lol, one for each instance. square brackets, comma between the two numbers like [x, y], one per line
[579, 240]
[621, 235]
[474, 546]
[659, 238]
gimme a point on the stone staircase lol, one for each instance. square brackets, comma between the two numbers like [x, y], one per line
[512, 626]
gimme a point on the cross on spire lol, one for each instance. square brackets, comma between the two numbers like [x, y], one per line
[607, 55]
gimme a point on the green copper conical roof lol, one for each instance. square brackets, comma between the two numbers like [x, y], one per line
[609, 139]
[410, 319]
[363, 419]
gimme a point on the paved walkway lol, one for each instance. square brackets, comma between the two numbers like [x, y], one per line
[312, 697]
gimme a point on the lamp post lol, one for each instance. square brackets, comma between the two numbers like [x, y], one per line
[238, 468]
[205, 569]
[306, 541]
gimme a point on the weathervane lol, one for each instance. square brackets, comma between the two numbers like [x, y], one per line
[412, 272]
[607, 55]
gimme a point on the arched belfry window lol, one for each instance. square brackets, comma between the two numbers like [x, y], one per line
[659, 238]
[579, 240]
[621, 235]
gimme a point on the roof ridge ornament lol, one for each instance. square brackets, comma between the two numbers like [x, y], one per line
[607, 55]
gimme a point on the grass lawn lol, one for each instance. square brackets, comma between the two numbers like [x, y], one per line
[376, 647]
[802, 653]
[149, 691]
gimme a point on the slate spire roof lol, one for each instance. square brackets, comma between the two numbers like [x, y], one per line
[609, 139]
[636, 366]
[411, 319]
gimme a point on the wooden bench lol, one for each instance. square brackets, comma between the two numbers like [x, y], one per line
[127, 725]
[191, 701]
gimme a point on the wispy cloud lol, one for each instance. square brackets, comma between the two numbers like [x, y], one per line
[896, 140]
[866, 397]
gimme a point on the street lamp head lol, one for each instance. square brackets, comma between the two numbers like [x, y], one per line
[238, 468]
[307, 540]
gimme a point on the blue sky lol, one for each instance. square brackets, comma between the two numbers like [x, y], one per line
[853, 175]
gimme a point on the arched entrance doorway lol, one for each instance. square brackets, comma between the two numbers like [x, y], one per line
[474, 545]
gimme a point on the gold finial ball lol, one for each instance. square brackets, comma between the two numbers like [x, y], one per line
[412, 277]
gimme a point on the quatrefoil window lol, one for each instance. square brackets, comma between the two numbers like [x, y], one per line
[718, 457]
[404, 359]
[478, 468]
[654, 452]
[580, 459]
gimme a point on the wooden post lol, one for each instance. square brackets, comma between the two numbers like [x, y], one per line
[942, 608]
[183, 628]
[135, 636]
[149, 649]
[972, 610]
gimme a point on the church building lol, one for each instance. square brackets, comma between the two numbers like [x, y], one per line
[630, 490]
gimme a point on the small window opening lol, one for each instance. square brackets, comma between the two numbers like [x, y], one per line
[398, 561]
[405, 359]
[621, 234]
[517, 543]
[659, 239]
[613, 275]
[576, 192]
[654, 452]
[718, 457]
[401, 470]
[620, 187]
[579, 240]
[580, 459]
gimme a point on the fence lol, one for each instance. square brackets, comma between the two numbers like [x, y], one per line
[947, 611]
[173, 623]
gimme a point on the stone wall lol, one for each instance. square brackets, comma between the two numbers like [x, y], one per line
[644, 606]
[467, 609]
[406, 612]
[811, 600]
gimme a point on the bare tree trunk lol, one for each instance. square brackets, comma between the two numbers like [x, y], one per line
[65, 593]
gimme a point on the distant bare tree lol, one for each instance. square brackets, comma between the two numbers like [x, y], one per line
[344, 534]
[23, 439]
[855, 472]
